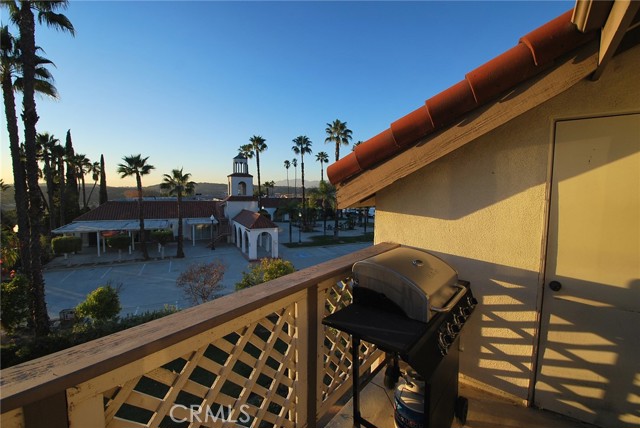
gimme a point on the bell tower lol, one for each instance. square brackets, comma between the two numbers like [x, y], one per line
[240, 182]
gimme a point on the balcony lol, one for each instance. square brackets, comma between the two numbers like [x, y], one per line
[260, 356]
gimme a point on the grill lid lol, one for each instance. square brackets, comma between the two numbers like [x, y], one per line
[417, 281]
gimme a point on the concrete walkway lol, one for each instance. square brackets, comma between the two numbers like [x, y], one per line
[150, 285]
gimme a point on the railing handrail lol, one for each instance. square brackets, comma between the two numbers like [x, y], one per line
[37, 379]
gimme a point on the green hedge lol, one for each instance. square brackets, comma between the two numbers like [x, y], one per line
[119, 242]
[162, 236]
[23, 348]
[66, 244]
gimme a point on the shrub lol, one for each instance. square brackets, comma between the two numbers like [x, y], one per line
[14, 305]
[267, 270]
[201, 281]
[101, 304]
[162, 236]
[23, 348]
[119, 242]
[9, 249]
[66, 244]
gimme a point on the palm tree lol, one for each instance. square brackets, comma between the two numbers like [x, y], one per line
[46, 144]
[83, 167]
[95, 176]
[24, 17]
[287, 165]
[178, 184]
[269, 185]
[338, 133]
[259, 145]
[356, 144]
[294, 162]
[302, 146]
[327, 194]
[322, 157]
[11, 80]
[136, 166]
[3, 186]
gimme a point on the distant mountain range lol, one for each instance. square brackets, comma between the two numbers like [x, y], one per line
[204, 190]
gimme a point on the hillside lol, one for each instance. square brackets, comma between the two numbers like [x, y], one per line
[204, 190]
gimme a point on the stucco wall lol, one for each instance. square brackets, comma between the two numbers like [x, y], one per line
[483, 209]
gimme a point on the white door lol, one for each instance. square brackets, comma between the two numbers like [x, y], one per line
[589, 360]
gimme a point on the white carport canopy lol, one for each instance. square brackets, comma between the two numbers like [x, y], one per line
[103, 225]
[98, 226]
[200, 220]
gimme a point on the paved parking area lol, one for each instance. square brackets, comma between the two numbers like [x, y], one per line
[151, 285]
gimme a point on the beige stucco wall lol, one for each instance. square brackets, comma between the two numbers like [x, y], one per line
[483, 208]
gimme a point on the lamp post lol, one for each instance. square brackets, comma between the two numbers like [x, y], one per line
[299, 228]
[213, 241]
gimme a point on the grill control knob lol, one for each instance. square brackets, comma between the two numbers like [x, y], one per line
[453, 328]
[444, 341]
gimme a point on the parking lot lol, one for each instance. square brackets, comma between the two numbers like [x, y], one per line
[150, 285]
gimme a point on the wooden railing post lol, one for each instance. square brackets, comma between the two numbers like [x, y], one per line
[86, 413]
[50, 412]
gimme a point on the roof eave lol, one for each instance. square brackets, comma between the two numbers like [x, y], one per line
[360, 190]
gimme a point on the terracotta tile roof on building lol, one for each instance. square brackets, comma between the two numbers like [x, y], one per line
[240, 198]
[278, 202]
[128, 210]
[253, 220]
[533, 54]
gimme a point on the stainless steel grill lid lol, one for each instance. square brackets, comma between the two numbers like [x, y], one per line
[418, 282]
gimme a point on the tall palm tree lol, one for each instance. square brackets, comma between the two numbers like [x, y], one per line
[24, 17]
[95, 176]
[322, 157]
[83, 166]
[327, 194]
[46, 143]
[294, 162]
[11, 80]
[302, 146]
[137, 166]
[338, 133]
[259, 145]
[178, 183]
[287, 165]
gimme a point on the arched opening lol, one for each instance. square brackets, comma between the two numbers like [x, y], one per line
[264, 245]
[246, 242]
[242, 188]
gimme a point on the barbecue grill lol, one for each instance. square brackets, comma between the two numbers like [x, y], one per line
[410, 304]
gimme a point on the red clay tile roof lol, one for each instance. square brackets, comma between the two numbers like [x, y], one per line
[278, 202]
[533, 54]
[128, 210]
[253, 220]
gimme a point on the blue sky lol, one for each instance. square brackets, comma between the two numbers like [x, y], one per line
[187, 82]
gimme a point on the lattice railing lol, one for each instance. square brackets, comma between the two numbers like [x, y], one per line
[258, 358]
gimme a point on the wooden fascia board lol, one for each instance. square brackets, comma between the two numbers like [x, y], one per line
[568, 71]
[619, 20]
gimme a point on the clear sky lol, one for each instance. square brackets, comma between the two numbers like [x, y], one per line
[187, 82]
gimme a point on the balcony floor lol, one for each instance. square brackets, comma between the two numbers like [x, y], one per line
[485, 411]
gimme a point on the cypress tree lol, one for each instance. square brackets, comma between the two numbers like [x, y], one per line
[72, 195]
[103, 182]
